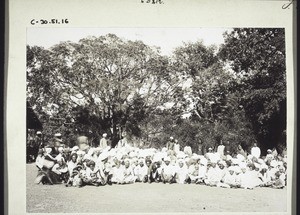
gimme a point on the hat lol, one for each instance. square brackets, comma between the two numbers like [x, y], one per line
[57, 140]
[132, 154]
[57, 135]
[235, 161]
[164, 149]
[104, 135]
[222, 162]
[67, 149]
[91, 151]
[228, 157]
[167, 159]
[203, 161]
[269, 150]
[273, 163]
[104, 155]
[231, 168]
[279, 163]
[38, 132]
[240, 157]
[243, 165]
[260, 161]
[180, 161]
[75, 148]
[237, 169]
[87, 157]
[157, 159]
[48, 150]
[256, 165]
[60, 149]
[126, 160]
[263, 166]
[80, 152]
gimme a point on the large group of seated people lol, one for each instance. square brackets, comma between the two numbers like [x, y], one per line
[124, 164]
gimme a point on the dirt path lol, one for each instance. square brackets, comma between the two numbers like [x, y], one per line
[150, 198]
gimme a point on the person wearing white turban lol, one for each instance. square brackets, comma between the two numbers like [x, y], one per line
[168, 172]
[181, 173]
[141, 171]
[128, 173]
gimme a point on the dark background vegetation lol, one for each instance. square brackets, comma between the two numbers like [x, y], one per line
[237, 93]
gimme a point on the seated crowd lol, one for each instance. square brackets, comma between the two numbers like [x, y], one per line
[126, 164]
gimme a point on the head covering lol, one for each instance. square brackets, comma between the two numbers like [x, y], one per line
[60, 149]
[180, 161]
[235, 161]
[181, 155]
[57, 135]
[237, 169]
[75, 148]
[57, 140]
[203, 161]
[167, 159]
[228, 157]
[256, 165]
[104, 155]
[38, 132]
[243, 165]
[126, 160]
[132, 154]
[263, 166]
[240, 157]
[164, 149]
[222, 162]
[104, 135]
[87, 157]
[171, 138]
[231, 168]
[80, 152]
[250, 157]
[260, 161]
[91, 151]
[274, 163]
[48, 150]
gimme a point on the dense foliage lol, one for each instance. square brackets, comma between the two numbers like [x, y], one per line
[199, 95]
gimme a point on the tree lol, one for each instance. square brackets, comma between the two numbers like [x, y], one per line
[210, 98]
[110, 80]
[257, 56]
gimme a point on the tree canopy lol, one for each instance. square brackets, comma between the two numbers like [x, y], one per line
[201, 95]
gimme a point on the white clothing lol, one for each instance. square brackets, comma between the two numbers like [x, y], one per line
[255, 152]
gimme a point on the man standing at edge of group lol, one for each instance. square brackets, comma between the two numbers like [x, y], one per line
[103, 141]
[255, 150]
[220, 149]
[56, 144]
[170, 144]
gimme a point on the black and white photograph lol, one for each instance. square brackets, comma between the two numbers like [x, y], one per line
[156, 120]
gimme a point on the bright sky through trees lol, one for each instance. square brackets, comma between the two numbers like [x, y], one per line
[165, 38]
